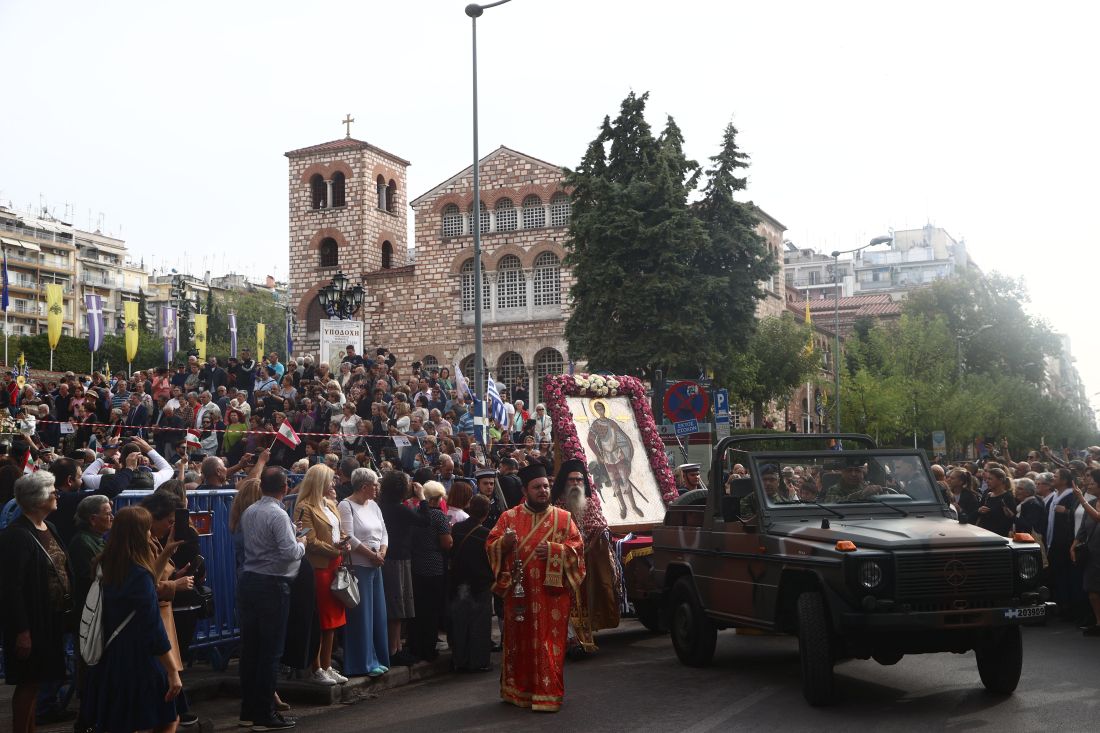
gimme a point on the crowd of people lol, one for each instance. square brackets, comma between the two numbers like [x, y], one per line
[387, 489]
[408, 519]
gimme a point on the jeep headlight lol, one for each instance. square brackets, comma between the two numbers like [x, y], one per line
[1027, 566]
[870, 574]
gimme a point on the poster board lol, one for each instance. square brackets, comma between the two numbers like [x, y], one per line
[335, 337]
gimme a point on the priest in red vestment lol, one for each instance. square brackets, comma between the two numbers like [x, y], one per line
[537, 557]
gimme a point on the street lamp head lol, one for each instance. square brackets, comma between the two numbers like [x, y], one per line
[885, 239]
[835, 254]
[474, 10]
[340, 280]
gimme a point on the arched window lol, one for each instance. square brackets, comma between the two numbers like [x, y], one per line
[560, 210]
[387, 255]
[314, 314]
[511, 288]
[428, 362]
[510, 370]
[317, 191]
[391, 196]
[484, 217]
[452, 221]
[547, 361]
[506, 215]
[534, 216]
[547, 279]
[338, 185]
[468, 288]
[330, 253]
[380, 191]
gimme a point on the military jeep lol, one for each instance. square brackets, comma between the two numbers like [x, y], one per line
[854, 550]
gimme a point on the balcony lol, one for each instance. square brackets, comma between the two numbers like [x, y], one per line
[59, 237]
[100, 281]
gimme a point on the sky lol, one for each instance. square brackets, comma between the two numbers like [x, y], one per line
[165, 124]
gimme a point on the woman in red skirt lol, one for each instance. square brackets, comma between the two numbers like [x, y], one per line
[316, 511]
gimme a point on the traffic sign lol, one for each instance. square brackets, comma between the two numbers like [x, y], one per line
[686, 400]
[686, 427]
[722, 406]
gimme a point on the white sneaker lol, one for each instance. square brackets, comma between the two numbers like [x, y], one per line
[319, 677]
[336, 676]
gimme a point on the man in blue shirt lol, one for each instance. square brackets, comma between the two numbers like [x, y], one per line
[272, 554]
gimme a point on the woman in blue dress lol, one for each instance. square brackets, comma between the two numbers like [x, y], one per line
[134, 686]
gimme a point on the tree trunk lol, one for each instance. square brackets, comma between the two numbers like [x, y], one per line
[758, 414]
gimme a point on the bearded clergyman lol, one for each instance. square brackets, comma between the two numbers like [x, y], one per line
[596, 605]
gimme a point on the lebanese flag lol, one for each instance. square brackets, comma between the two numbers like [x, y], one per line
[287, 436]
[193, 439]
[28, 464]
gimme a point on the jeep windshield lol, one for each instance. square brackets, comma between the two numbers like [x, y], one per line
[852, 477]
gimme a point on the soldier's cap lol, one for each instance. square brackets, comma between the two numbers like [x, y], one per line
[485, 473]
[769, 468]
[690, 468]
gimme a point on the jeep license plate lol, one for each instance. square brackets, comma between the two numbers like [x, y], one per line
[1029, 612]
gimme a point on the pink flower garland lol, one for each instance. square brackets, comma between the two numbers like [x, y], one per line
[556, 387]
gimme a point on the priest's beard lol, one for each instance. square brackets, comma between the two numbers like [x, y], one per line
[576, 502]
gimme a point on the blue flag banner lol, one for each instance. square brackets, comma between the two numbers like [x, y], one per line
[94, 305]
[5, 300]
[233, 335]
[289, 336]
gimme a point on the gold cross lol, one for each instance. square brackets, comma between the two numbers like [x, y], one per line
[347, 121]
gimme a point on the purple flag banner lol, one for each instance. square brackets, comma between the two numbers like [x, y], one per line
[289, 336]
[233, 335]
[168, 332]
[94, 305]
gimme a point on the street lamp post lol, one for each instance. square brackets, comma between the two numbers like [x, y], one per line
[474, 11]
[836, 314]
[338, 300]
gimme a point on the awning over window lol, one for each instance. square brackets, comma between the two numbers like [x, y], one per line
[16, 243]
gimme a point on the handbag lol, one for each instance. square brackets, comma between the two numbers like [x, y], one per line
[345, 586]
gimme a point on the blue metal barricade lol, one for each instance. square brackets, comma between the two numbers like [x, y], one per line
[217, 637]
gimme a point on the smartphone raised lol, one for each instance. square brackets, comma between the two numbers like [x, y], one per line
[302, 532]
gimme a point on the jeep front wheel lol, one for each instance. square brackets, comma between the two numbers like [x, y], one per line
[815, 649]
[693, 634]
[1000, 661]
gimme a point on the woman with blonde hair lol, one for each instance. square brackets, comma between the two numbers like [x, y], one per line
[129, 690]
[318, 515]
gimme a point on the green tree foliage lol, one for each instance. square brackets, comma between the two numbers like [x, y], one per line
[902, 378]
[641, 301]
[251, 308]
[772, 364]
[734, 260]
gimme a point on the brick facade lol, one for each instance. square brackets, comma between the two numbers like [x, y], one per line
[419, 310]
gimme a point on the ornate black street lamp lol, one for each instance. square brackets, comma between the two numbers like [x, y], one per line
[340, 301]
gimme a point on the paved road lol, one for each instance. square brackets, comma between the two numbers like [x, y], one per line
[636, 683]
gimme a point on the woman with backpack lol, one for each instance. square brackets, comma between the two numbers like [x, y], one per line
[135, 683]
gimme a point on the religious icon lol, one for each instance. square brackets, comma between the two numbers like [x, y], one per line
[617, 460]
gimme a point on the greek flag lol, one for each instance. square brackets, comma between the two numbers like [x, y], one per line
[233, 335]
[481, 425]
[496, 405]
[463, 385]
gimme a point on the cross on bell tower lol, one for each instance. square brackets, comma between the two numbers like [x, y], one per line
[347, 121]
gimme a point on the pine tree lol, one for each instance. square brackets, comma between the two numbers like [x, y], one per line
[631, 245]
[735, 260]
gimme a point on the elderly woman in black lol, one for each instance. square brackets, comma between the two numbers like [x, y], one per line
[37, 598]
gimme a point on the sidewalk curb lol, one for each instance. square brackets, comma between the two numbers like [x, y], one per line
[208, 687]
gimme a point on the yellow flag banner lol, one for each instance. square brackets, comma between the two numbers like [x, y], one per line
[130, 311]
[200, 335]
[55, 312]
[261, 333]
[809, 324]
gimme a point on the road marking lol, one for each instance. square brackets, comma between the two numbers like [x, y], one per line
[722, 716]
